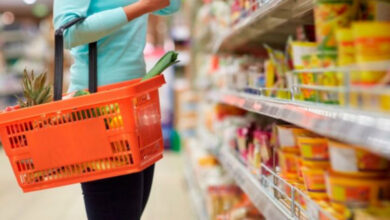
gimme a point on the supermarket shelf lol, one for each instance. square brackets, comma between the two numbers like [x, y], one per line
[271, 23]
[368, 130]
[197, 198]
[267, 194]
[267, 205]
[209, 141]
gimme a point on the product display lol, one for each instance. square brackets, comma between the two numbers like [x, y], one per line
[338, 178]
[343, 67]
[270, 109]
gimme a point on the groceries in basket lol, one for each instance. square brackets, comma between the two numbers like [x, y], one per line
[113, 130]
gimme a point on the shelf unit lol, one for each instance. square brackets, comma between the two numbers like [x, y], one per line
[368, 130]
[272, 23]
[197, 198]
[251, 186]
[266, 193]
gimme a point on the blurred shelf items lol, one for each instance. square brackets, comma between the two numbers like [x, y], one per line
[294, 104]
[280, 109]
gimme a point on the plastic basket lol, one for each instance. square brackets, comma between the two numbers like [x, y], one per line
[113, 132]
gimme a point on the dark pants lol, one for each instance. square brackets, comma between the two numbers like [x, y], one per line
[118, 198]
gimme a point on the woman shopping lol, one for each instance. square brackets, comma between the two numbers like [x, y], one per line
[119, 27]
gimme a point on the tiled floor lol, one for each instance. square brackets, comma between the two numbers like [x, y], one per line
[169, 199]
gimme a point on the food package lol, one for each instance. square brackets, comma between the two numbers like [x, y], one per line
[372, 44]
[330, 15]
[353, 161]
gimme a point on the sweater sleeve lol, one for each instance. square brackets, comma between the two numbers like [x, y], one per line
[173, 7]
[93, 28]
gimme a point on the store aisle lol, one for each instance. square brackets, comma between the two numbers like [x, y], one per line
[169, 198]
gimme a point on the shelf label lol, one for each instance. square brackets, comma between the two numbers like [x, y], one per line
[257, 106]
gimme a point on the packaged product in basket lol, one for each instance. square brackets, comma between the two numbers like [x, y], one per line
[329, 15]
[354, 161]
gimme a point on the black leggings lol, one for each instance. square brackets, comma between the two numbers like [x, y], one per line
[118, 198]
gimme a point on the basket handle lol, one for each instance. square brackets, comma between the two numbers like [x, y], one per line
[59, 61]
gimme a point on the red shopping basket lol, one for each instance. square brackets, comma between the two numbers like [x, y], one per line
[113, 132]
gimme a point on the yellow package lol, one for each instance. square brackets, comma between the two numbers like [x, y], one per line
[356, 192]
[301, 49]
[270, 73]
[372, 44]
[313, 148]
[329, 15]
[345, 46]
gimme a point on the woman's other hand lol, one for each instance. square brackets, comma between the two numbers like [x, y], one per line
[154, 5]
[143, 7]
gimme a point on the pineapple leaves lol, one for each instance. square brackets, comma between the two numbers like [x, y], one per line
[35, 90]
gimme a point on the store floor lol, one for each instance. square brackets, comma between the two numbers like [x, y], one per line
[169, 198]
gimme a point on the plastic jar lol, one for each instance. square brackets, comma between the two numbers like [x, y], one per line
[353, 161]
[287, 137]
[356, 192]
[313, 148]
[372, 44]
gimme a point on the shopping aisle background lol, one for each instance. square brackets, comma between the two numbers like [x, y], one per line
[169, 198]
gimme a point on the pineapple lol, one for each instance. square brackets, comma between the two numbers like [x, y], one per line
[35, 90]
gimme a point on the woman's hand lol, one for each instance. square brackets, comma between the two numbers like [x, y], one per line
[143, 7]
[154, 5]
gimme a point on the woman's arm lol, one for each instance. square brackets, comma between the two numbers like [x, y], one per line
[173, 7]
[100, 24]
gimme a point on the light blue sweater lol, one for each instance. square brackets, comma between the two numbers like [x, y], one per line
[120, 43]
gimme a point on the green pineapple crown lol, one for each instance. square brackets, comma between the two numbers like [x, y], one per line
[35, 90]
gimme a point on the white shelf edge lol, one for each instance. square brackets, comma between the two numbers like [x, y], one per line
[367, 130]
[261, 13]
[251, 186]
[198, 201]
